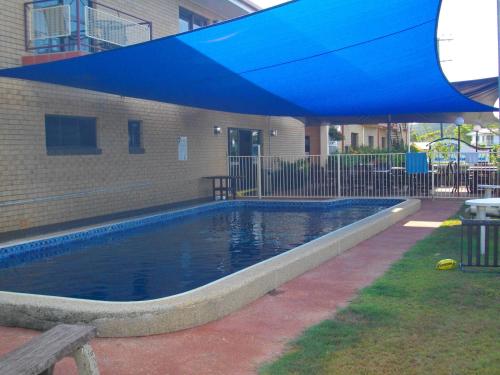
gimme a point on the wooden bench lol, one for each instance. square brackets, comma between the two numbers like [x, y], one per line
[40, 355]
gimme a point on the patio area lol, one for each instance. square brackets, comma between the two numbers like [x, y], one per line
[243, 341]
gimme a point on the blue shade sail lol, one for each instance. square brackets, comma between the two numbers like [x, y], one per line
[321, 58]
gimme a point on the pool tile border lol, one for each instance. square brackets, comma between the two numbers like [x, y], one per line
[28, 250]
[202, 305]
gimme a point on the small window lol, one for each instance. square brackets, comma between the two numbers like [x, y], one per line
[383, 143]
[135, 137]
[190, 21]
[308, 145]
[69, 135]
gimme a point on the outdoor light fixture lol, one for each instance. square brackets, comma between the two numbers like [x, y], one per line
[459, 121]
[273, 132]
[217, 130]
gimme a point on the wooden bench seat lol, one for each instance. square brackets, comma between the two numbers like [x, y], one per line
[40, 355]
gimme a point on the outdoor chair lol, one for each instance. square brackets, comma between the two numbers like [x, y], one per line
[471, 256]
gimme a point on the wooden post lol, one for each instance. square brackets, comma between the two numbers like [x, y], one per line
[85, 361]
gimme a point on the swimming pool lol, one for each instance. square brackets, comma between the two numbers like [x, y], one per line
[166, 258]
[178, 269]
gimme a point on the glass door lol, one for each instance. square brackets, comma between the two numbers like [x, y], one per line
[243, 145]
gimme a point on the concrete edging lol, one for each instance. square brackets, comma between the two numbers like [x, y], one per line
[202, 305]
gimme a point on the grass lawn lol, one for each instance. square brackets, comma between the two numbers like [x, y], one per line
[413, 320]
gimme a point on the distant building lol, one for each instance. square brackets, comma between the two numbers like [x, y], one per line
[485, 137]
[373, 136]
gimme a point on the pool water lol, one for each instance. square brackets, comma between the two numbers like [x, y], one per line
[165, 259]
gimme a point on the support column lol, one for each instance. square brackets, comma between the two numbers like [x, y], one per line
[324, 139]
[389, 132]
[498, 23]
[408, 136]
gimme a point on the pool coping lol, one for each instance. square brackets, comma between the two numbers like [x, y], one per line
[198, 306]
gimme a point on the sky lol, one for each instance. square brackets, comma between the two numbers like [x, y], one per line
[471, 51]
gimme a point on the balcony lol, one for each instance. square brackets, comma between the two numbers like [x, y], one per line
[56, 29]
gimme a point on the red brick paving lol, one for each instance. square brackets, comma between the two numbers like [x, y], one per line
[242, 341]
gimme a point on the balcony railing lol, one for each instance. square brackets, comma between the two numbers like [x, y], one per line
[80, 26]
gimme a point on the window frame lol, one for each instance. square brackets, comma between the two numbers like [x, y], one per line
[135, 149]
[190, 17]
[307, 145]
[354, 140]
[71, 149]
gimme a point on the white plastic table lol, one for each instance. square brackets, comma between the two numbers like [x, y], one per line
[488, 189]
[482, 205]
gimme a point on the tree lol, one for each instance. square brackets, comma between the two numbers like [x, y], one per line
[334, 134]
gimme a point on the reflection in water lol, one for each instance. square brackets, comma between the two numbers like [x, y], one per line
[165, 259]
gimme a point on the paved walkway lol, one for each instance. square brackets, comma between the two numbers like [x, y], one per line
[239, 343]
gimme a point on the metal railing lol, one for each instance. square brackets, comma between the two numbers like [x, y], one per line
[109, 28]
[473, 254]
[367, 175]
[52, 28]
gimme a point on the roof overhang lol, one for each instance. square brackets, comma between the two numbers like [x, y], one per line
[227, 8]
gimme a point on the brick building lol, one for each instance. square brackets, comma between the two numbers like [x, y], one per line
[68, 154]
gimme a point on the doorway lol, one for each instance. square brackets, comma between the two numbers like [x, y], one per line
[243, 147]
[244, 142]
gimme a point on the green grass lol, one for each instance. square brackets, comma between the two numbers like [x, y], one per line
[413, 320]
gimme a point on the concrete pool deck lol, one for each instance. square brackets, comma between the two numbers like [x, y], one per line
[240, 342]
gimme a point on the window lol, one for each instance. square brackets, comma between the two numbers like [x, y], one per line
[371, 141]
[65, 43]
[308, 145]
[68, 135]
[383, 143]
[135, 137]
[354, 140]
[190, 21]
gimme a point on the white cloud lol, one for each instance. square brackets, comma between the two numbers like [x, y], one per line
[473, 50]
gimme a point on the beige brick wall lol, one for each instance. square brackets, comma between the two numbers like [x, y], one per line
[37, 189]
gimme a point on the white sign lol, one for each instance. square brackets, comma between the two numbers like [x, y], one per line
[183, 148]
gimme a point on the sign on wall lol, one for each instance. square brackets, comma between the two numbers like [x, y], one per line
[183, 148]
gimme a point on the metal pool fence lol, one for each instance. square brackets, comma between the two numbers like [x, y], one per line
[439, 175]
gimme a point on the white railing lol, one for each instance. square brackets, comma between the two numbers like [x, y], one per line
[109, 28]
[49, 22]
[368, 175]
